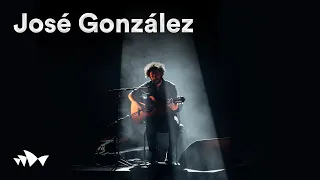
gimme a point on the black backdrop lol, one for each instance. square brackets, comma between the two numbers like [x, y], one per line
[57, 106]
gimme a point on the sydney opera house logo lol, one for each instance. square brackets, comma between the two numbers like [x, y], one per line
[31, 158]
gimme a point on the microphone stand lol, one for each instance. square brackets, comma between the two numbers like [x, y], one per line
[120, 159]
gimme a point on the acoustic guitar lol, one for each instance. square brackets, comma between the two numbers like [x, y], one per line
[149, 108]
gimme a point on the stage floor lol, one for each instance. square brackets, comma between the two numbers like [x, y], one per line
[104, 169]
[108, 168]
[160, 171]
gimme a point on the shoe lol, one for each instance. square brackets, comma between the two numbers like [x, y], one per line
[174, 163]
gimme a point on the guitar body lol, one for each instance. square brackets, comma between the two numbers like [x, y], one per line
[149, 108]
[139, 115]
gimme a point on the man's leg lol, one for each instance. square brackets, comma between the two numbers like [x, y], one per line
[173, 137]
[152, 143]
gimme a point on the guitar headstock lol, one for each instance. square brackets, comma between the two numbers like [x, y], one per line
[179, 99]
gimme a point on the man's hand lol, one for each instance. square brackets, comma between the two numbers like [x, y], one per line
[172, 105]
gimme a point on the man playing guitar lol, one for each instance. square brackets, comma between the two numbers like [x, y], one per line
[158, 102]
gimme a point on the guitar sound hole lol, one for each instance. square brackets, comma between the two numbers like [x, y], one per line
[148, 109]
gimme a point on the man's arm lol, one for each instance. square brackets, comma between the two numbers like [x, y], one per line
[131, 97]
[133, 94]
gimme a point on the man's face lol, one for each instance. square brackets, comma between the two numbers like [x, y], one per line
[155, 76]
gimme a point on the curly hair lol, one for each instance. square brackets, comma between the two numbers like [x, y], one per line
[154, 66]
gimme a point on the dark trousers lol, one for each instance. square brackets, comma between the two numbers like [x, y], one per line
[172, 127]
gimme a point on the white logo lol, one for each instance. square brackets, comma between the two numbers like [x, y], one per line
[31, 158]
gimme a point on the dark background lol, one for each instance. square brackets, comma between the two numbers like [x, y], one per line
[57, 107]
